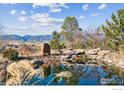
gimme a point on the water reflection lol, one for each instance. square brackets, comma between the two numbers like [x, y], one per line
[92, 75]
[82, 75]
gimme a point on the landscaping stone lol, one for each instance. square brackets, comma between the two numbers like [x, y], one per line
[36, 63]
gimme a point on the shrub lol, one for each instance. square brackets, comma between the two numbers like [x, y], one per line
[10, 54]
[114, 31]
[82, 58]
[56, 41]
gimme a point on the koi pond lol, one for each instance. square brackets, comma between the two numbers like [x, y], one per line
[78, 74]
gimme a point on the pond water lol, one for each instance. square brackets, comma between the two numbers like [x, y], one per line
[81, 75]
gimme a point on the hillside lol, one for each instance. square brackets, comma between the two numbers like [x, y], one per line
[39, 38]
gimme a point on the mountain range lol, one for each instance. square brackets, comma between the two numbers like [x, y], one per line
[39, 38]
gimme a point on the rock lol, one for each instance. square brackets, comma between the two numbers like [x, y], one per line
[105, 81]
[71, 60]
[79, 51]
[92, 52]
[68, 51]
[56, 52]
[65, 57]
[120, 63]
[36, 63]
[103, 52]
[74, 56]
[65, 63]
[93, 56]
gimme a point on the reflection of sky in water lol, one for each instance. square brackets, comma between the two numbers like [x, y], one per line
[90, 76]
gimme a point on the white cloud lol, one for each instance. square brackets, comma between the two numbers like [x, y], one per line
[31, 30]
[85, 7]
[81, 17]
[55, 10]
[12, 12]
[53, 7]
[44, 19]
[64, 5]
[40, 23]
[96, 14]
[38, 15]
[50, 5]
[23, 18]
[102, 6]
[19, 30]
[23, 12]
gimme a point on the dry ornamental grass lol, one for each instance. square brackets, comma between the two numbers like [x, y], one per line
[19, 72]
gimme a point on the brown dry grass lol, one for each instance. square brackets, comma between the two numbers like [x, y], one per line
[17, 72]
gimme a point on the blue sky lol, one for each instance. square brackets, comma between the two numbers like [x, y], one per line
[42, 19]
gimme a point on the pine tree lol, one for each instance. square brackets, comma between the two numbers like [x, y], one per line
[56, 42]
[69, 27]
[114, 30]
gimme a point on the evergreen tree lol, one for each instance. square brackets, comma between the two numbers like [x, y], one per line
[70, 26]
[56, 42]
[114, 30]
